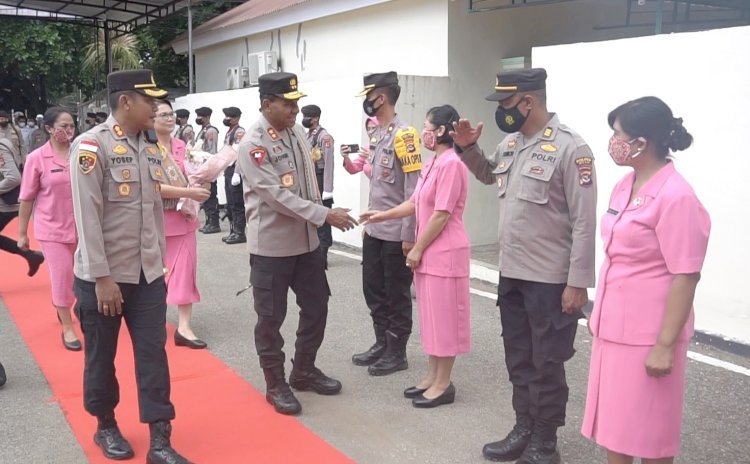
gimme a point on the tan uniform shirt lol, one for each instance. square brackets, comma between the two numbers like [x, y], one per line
[17, 143]
[36, 139]
[547, 191]
[282, 218]
[320, 138]
[116, 181]
[396, 164]
[10, 177]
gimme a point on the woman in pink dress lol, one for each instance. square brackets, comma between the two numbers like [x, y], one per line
[655, 236]
[180, 229]
[362, 162]
[439, 259]
[45, 190]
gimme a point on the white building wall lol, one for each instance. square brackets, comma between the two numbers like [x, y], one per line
[702, 76]
[407, 36]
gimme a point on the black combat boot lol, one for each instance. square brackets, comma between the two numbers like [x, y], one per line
[110, 440]
[374, 353]
[3, 378]
[211, 227]
[542, 448]
[511, 447]
[278, 393]
[394, 358]
[235, 238]
[161, 451]
[305, 376]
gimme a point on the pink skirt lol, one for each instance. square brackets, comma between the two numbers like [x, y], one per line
[444, 314]
[629, 412]
[59, 258]
[182, 269]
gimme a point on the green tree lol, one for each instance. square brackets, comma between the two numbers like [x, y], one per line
[39, 63]
[124, 53]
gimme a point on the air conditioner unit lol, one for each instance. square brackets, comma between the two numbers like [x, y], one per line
[244, 77]
[261, 63]
[233, 78]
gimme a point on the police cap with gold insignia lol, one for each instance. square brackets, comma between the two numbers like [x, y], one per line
[135, 80]
[518, 80]
[182, 113]
[281, 84]
[204, 111]
[374, 81]
[311, 111]
[232, 112]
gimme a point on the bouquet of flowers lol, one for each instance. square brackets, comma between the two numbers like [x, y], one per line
[203, 167]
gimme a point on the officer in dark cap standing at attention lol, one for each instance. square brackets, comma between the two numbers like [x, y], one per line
[208, 141]
[544, 173]
[322, 154]
[100, 117]
[233, 183]
[116, 177]
[184, 129]
[386, 280]
[284, 211]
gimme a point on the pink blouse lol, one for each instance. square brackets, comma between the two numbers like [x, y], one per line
[176, 223]
[361, 164]
[46, 182]
[662, 232]
[443, 185]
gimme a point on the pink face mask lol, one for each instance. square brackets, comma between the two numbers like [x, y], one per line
[619, 150]
[63, 135]
[428, 139]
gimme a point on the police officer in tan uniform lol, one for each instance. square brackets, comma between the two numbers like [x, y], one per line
[185, 131]
[208, 139]
[546, 183]
[233, 184]
[11, 133]
[386, 280]
[116, 176]
[284, 210]
[322, 153]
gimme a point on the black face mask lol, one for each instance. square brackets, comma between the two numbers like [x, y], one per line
[227, 122]
[199, 121]
[307, 123]
[510, 120]
[369, 107]
[4, 124]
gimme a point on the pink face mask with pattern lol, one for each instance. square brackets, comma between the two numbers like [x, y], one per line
[619, 150]
[429, 139]
[63, 135]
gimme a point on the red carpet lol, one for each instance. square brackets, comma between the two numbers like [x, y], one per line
[221, 418]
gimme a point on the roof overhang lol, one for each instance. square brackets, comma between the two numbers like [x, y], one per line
[260, 16]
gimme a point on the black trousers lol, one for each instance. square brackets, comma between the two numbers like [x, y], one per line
[272, 277]
[144, 311]
[8, 244]
[235, 202]
[325, 234]
[211, 206]
[386, 283]
[538, 339]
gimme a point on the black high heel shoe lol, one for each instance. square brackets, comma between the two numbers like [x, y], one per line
[71, 346]
[447, 397]
[413, 392]
[196, 344]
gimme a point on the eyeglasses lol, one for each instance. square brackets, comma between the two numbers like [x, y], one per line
[169, 115]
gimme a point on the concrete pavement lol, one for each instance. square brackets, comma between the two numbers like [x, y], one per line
[370, 421]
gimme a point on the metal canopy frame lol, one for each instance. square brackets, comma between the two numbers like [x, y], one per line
[119, 17]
